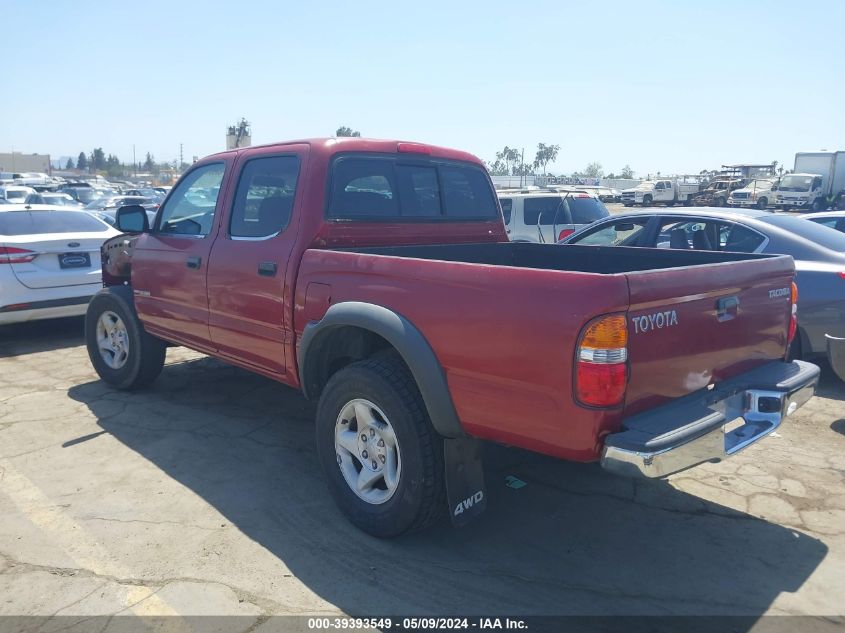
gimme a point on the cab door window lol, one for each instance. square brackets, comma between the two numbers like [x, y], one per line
[190, 208]
[264, 198]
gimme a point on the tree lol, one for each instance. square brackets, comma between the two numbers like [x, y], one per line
[545, 154]
[82, 161]
[98, 158]
[626, 172]
[593, 170]
[149, 163]
[346, 131]
[69, 164]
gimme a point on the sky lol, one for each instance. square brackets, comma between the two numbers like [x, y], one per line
[674, 87]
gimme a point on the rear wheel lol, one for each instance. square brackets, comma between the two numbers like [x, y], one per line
[380, 454]
[647, 200]
[762, 203]
[719, 201]
[122, 353]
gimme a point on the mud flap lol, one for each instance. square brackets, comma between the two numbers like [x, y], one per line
[465, 488]
[836, 354]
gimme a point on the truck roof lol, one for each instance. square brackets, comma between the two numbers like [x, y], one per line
[328, 146]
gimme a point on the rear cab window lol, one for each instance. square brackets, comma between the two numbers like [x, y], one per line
[391, 188]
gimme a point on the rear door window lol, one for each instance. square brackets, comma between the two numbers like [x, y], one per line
[545, 211]
[264, 198]
[391, 188]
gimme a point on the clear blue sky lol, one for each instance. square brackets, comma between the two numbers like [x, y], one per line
[670, 86]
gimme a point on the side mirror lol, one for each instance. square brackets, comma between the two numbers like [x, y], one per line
[626, 226]
[132, 219]
[774, 187]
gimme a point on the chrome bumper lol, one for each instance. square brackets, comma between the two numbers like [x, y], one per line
[712, 424]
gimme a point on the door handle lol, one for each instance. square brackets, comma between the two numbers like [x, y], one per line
[193, 262]
[267, 269]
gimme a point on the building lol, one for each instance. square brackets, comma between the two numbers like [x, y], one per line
[17, 162]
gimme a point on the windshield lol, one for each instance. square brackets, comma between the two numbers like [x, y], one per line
[43, 222]
[821, 235]
[796, 183]
[16, 195]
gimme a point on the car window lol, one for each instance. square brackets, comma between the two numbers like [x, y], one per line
[548, 211]
[739, 239]
[821, 235]
[702, 235]
[507, 208]
[264, 198]
[829, 222]
[419, 190]
[190, 209]
[393, 188]
[586, 209]
[625, 232]
[44, 222]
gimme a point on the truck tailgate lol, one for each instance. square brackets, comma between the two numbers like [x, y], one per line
[698, 325]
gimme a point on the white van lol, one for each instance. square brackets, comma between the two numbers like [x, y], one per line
[548, 216]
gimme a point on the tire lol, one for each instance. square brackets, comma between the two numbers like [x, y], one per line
[627, 204]
[719, 201]
[391, 401]
[647, 200]
[126, 356]
[762, 204]
[818, 205]
[670, 203]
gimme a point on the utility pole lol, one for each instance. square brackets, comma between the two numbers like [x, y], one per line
[134, 162]
[181, 159]
[522, 168]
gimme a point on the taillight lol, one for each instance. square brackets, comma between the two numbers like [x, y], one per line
[565, 233]
[842, 274]
[601, 370]
[793, 318]
[12, 255]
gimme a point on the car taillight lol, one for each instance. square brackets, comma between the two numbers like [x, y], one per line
[793, 318]
[12, 255]
[842, 274]
[601, 369]
[565, 233]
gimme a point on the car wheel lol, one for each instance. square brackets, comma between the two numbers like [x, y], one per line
[839, 204]
[718, 201]
[647, 201]
[122, 353]
[818, 205]
[381, 457]
[762, 203]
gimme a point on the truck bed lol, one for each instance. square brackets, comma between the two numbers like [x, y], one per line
[504, 320]
[586, 259]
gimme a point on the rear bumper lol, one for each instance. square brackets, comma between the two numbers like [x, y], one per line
[710, 425]
[836, 354]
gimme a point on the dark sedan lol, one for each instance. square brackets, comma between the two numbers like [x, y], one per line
[819, 254]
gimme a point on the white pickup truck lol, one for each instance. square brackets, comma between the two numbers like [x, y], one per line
[651, 192]
[758, 194]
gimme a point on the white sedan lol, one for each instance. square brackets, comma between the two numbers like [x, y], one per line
[49, 261]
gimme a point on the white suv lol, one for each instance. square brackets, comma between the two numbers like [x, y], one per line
[548, 216]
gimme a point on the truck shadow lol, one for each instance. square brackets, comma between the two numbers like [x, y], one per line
[19, 339]
[571, 540]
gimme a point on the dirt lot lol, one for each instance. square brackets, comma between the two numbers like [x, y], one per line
[202, 495]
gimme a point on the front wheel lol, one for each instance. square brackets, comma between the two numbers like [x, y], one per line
[380, 454]
[647, 200]
[122, 353]
[818, 205]
[762, 203]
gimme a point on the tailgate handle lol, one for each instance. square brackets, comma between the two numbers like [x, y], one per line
[193, 262]
[727, 308]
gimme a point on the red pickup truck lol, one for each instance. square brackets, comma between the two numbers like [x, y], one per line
[376, 276]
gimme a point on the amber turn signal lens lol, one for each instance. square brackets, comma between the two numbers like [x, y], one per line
[606, 333]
